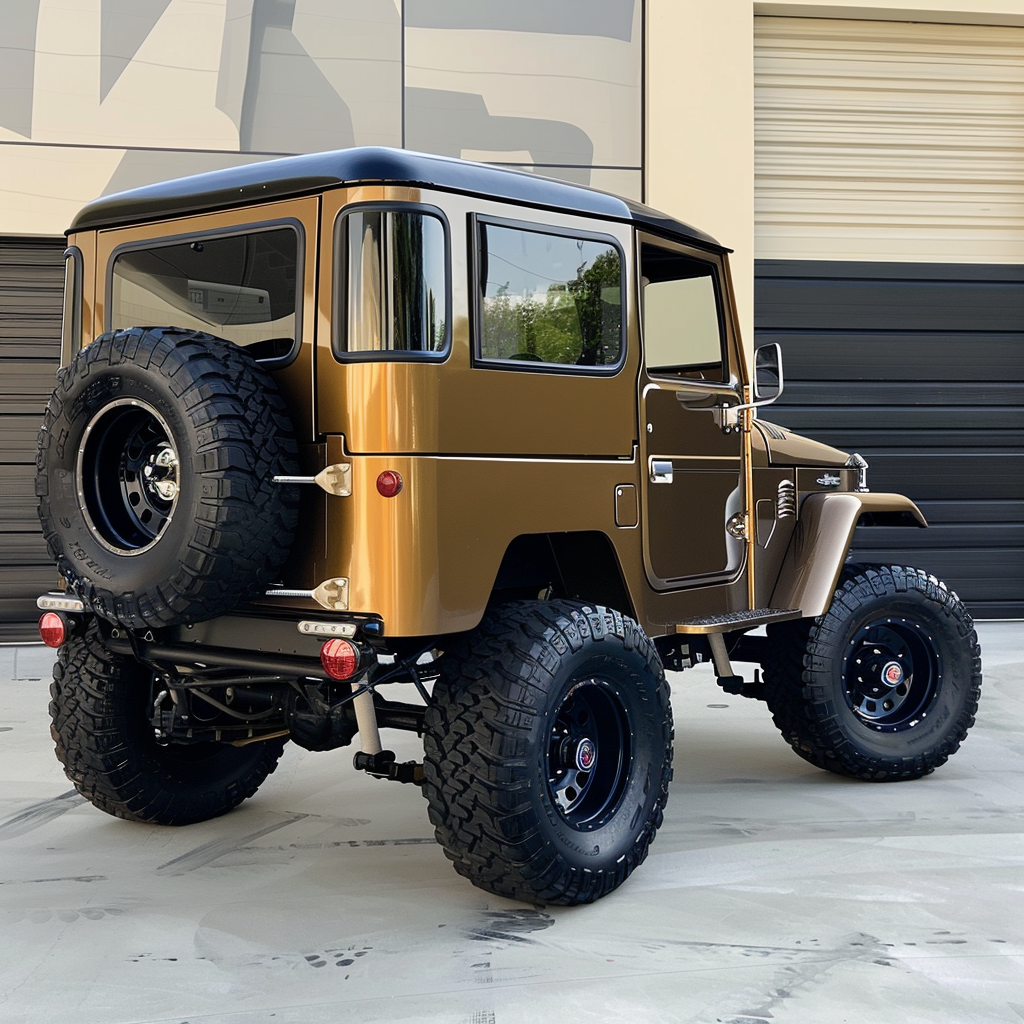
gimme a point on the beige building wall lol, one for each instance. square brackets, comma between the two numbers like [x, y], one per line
[699, 131]
[109, 109]
[699, 158]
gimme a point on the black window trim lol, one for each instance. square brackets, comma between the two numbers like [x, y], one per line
[255, 227]
[339, 285]
[678, 372]
[477, 259]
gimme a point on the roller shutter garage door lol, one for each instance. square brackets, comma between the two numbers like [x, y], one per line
[890, 265]
[31, 288]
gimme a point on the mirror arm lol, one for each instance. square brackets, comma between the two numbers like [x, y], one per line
[752, 405]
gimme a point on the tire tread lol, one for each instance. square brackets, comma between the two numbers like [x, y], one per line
[802, 663]
[101, 738]
[477, 751]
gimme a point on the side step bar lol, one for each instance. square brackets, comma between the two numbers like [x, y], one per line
[737, 620]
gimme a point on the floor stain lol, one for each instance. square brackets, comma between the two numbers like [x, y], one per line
[66, 916]
[217, 848]
[39, 814]
[65, 878]
[790, 978]
[337, 957]
[508, 925]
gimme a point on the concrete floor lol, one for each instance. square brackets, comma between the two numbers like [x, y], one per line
[774, 892]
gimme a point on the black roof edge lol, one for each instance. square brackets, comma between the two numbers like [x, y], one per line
[306, 174]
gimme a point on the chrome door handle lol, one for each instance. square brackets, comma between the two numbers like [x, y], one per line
[661, 471]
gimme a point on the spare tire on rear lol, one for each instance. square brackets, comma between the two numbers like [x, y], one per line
[155, 477]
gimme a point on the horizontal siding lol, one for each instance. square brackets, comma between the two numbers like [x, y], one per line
[31, 290]
[941, 354]
[880, 358]
[883, 137]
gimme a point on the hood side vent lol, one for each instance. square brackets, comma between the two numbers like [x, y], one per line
[786, 499]
[773, 430]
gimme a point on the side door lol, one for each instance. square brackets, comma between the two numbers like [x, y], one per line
[694, 497]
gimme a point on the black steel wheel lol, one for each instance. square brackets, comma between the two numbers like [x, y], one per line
[548, 751]
[883, 686]
[128, 475]
[891, 674]
[99, 710]
[156, 466]
[588, 756]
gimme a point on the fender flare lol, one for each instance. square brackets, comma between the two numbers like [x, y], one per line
[821, 541]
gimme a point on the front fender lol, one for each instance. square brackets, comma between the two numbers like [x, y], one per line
[821, 541]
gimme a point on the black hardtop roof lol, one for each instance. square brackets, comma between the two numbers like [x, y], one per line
[314, 172]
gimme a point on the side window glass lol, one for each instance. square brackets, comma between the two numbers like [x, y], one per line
[548, 298]
[394, 276]
[71, 319]
[682, 325]
[239, 287]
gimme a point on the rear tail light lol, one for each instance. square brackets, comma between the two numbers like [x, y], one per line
[339, 658]
[53, 629]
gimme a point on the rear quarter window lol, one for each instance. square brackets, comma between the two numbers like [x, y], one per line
[392, 285]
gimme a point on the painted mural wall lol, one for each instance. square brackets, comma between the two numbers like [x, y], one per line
[101, 95]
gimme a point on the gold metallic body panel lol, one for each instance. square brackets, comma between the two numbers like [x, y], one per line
[426, 559]
[489, 454]
[787, 448]
[691, 565]
[86, 242]
[771, 532]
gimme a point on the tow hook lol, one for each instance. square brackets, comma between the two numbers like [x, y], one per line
[739, 687]
[726, 678]
[383, 765]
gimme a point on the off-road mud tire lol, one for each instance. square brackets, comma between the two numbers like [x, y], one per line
[824, 677]
[99, 703]
[502, 754]
[125, 399]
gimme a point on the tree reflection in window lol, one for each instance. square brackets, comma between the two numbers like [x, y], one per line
[549, 298]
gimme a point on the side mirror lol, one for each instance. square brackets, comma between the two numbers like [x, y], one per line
[768, 379]
[767, 385]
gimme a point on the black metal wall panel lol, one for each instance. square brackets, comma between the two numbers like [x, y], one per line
[31, 287]
[920, 368]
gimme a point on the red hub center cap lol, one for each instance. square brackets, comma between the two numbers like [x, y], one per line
[893, 673]
[586, 755]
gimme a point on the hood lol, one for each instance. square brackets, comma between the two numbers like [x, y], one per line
[789, 449]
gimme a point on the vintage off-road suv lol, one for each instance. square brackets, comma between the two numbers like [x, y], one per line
[409, 419]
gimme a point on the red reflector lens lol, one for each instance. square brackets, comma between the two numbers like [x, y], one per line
[53, 629]
[339, 659]
[389, 483]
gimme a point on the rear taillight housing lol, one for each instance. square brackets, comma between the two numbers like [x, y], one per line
[53, 629]
[339, 658]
